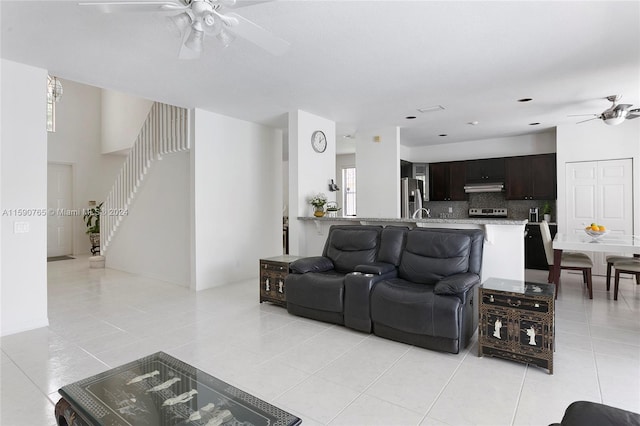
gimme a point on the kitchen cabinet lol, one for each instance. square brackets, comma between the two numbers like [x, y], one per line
[406, 169]
[490, 170]
[534, 255]
[446, 181]
[517, 321]
[531, 177]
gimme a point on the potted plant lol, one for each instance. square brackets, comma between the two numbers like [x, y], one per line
[92, 220]
[318, 201]
[546, 211]
[332, 208]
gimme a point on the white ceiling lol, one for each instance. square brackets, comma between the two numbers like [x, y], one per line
[363, 64]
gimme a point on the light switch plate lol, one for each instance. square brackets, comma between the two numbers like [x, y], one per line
[20, 227]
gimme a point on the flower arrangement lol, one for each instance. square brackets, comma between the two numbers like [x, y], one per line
[318, 200]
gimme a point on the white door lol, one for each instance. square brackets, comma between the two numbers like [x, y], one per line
[600, 192]
[59, 199]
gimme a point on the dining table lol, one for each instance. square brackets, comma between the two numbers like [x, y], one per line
[609, 243]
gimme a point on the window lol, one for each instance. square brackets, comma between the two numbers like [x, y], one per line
[51, 114]
[54, 93]
[349, 193]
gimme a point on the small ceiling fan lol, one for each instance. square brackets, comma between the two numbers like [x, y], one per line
[197, 18]
[615, 114]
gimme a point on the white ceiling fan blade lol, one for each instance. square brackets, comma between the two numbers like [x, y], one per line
[135, 6]
[584, 121]
[258, 35]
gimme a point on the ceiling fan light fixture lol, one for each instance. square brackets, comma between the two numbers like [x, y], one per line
[614, 115]
[195, 40]
[225, 37]
[180, 23]
[212, 24]
[614, 121]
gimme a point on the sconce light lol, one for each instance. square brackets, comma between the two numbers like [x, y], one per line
[333, 187]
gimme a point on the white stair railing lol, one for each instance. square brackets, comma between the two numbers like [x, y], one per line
[165, 131]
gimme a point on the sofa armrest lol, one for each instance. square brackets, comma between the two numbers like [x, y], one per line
[456, 284]
[375, 268]
[311, 264]
[357, 289]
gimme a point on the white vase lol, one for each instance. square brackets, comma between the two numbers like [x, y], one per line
[547, 218]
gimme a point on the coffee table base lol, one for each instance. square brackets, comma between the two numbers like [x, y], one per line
[66, 415]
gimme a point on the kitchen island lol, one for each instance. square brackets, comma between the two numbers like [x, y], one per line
[503, 255]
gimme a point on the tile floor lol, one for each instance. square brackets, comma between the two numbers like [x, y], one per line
[323, 373]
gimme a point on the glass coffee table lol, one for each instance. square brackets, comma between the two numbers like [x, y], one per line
[160, 390]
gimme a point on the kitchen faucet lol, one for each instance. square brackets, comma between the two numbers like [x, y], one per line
[419, 213]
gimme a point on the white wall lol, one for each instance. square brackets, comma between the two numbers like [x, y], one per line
[23, 182]
[154, 240]
[236, 197]
[122, 119]
[76, 141]
[596, 141]
[539, 143]
[309, 171]
[378, 173]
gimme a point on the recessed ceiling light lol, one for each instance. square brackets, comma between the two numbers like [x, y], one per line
[410, 117]
[442, 134]
[473, 123]
[533, 124]
[431, 108]
[525, 100]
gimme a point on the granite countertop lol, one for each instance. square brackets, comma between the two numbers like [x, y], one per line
[472, 221]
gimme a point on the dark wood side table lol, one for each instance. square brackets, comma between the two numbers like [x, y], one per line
[517, 321]
[273, 272]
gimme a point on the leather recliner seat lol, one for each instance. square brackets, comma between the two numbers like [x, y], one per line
[431, 301]
[315, 288]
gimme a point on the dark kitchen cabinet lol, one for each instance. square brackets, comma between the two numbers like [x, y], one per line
[531, 177]
[534, 255]
[406, 169]
[446, 181]
[490, 170]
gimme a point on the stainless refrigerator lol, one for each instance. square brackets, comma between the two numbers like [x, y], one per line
[411, 191]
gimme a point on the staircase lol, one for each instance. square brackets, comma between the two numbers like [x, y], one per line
[165, 131]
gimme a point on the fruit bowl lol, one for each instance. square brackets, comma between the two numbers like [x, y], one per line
[595, 234]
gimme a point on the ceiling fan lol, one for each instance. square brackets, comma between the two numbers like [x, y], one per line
[197, 18]
[615, 114]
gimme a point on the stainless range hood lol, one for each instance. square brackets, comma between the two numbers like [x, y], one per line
[484, 187]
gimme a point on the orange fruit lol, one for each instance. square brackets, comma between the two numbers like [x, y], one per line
[595, 228]
[601, 228]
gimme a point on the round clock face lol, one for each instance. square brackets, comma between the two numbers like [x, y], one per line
[318, 141]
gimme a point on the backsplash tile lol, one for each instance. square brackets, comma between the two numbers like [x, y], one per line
[517, 209]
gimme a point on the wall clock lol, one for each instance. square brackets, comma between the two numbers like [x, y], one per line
[319, 141]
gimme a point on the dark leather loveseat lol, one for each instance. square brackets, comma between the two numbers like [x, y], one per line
[585, 413]
[416, 286]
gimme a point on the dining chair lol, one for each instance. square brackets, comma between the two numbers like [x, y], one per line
[630, 266]
[570, 260]
[611, 259]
